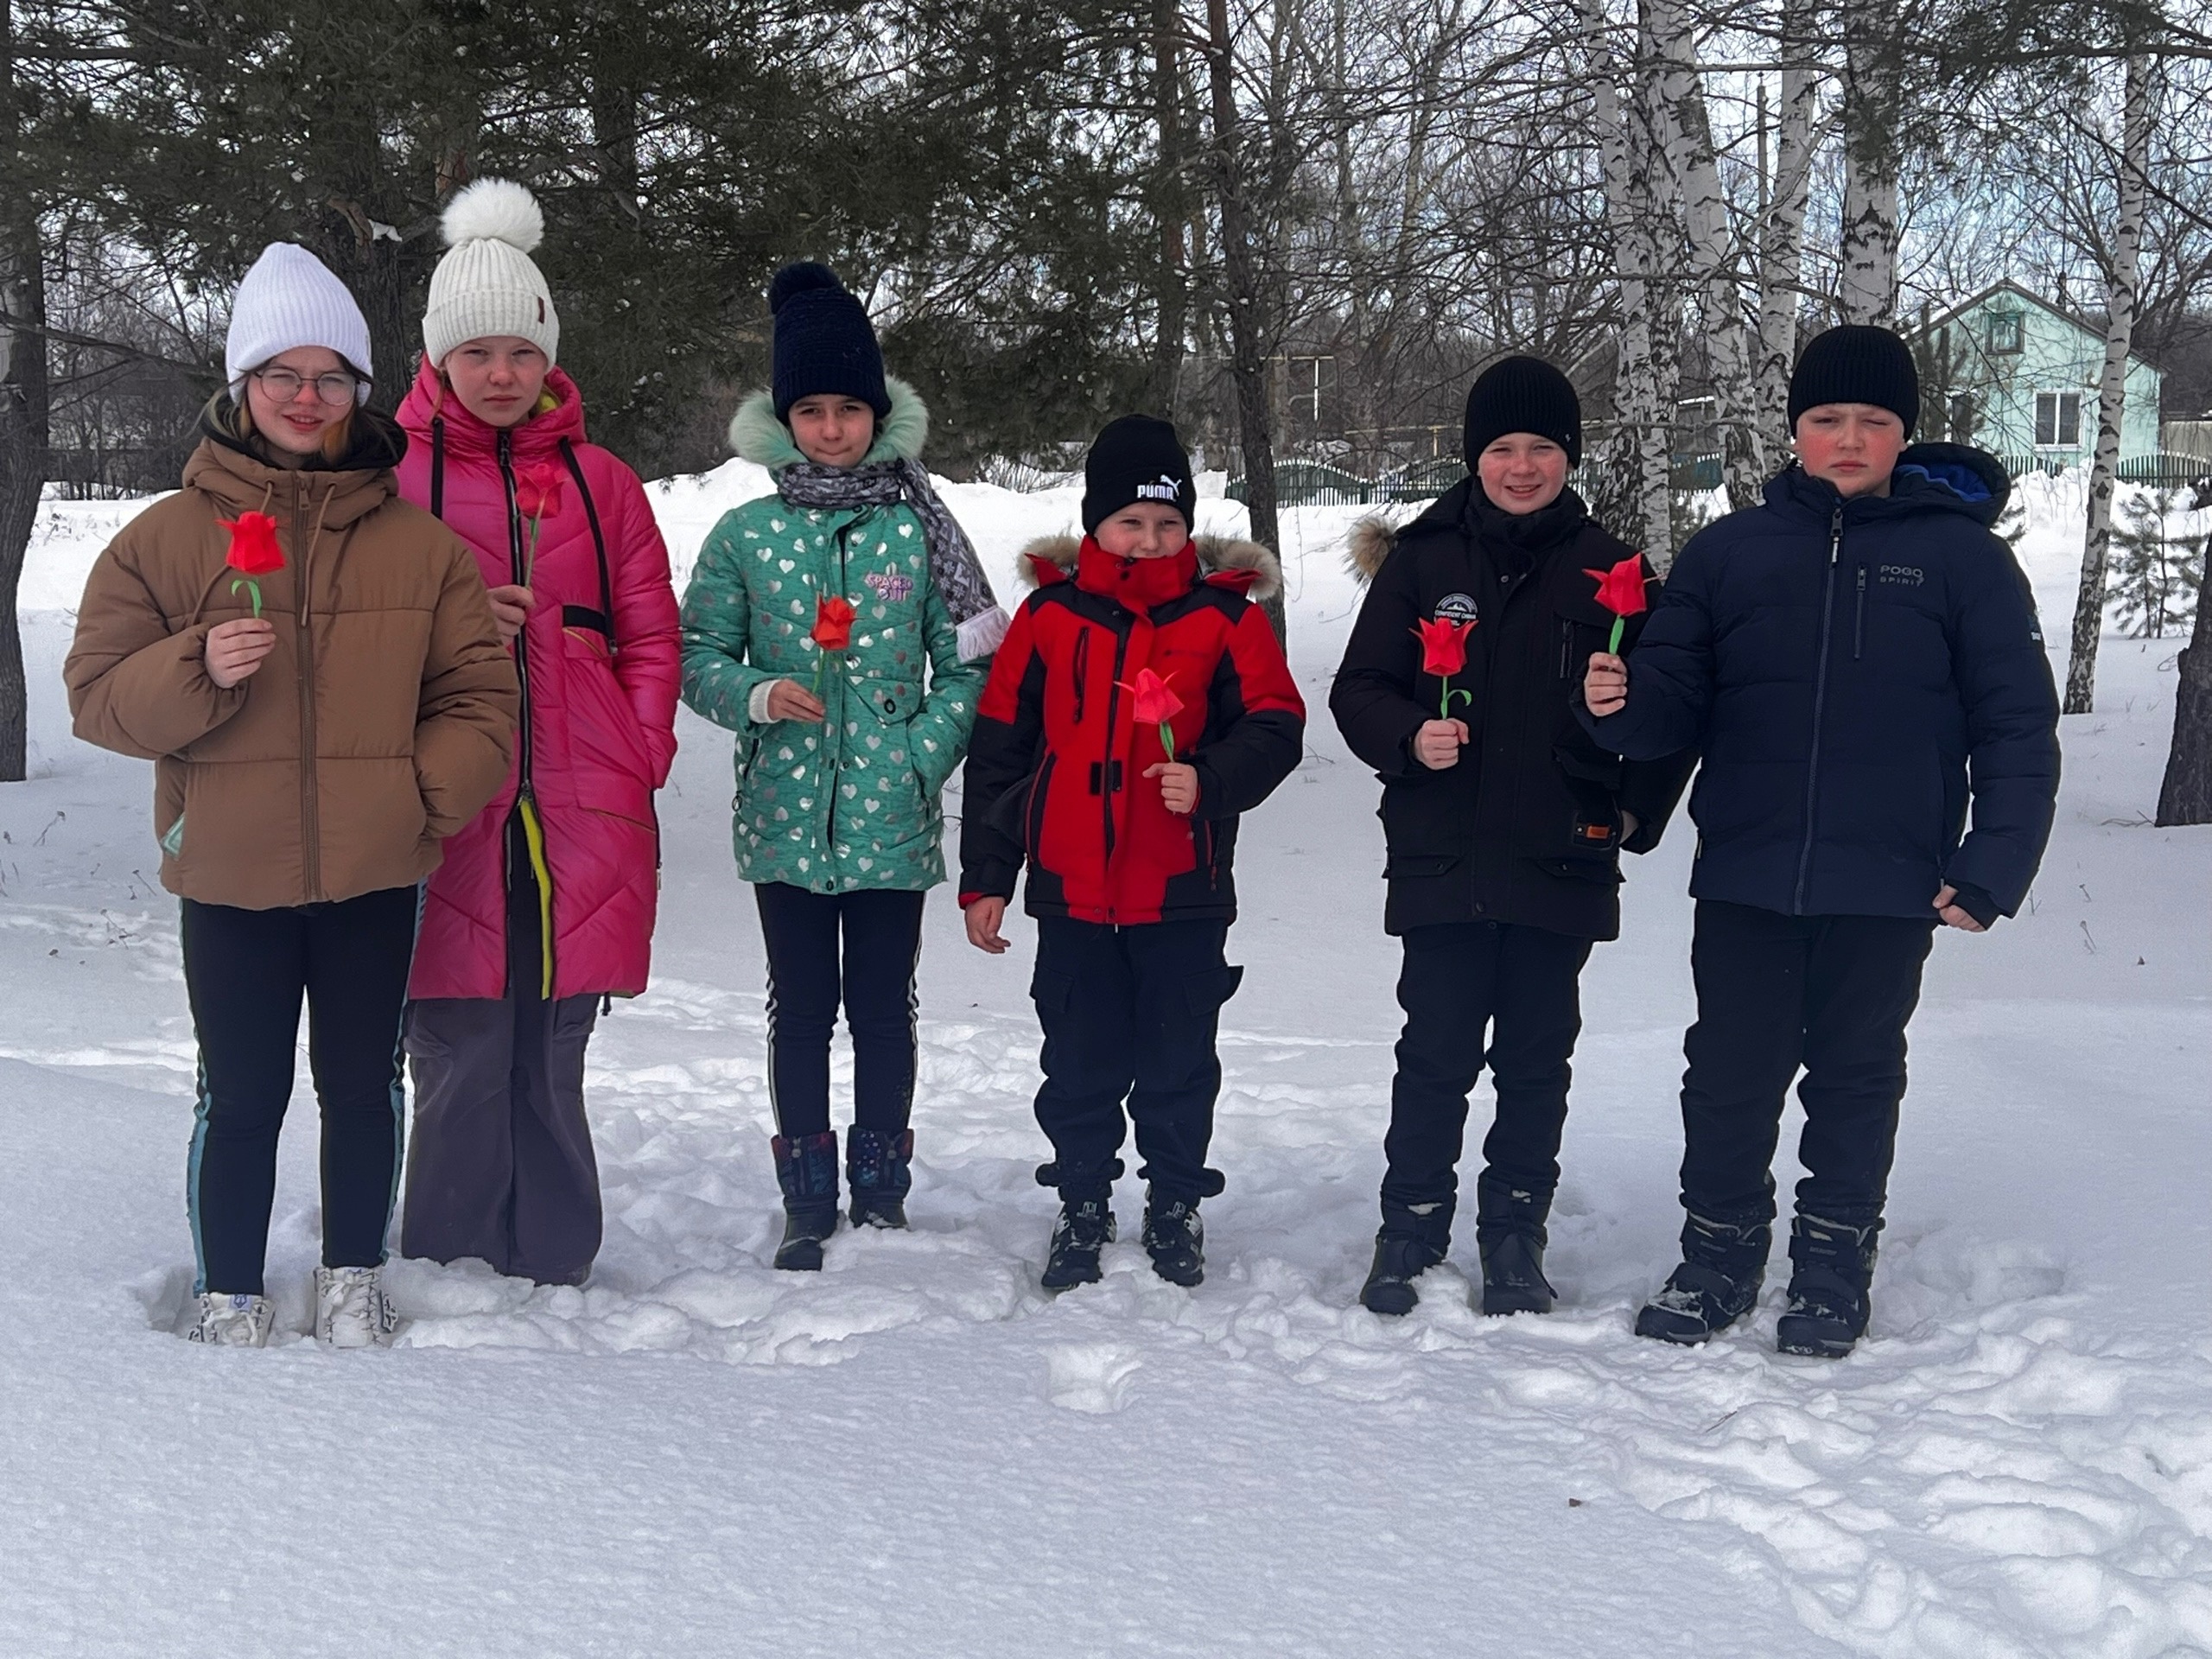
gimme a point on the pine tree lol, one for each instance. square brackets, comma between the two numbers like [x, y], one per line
[2155, 576]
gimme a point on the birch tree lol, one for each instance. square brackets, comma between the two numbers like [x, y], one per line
[22, 391]
[1782, 242]
[1873, 116]
[2112, 390]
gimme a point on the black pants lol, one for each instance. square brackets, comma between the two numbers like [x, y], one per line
[1833, 993]
[1476, 992]
[246, 971]
[1130, 1014]
[809, 978]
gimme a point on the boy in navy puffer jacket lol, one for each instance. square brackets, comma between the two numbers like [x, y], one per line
[1842, 657]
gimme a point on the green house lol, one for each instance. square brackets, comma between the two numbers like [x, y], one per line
[2015, 374]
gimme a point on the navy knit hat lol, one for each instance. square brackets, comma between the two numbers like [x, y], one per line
[1854, 364]
[1137, 459]
[824, 347]
[1523, 394]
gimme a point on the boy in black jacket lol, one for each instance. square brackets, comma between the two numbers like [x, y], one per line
[1504, 822]
[1845, 656]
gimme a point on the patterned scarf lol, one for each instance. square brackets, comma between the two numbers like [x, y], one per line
[953, 565]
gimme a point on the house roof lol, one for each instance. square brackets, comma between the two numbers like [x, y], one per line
[2028, 296]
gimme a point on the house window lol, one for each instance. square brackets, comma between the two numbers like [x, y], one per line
[2058, 420]
[2005, 331]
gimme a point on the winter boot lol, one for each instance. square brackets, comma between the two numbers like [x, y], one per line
[878, 1168]
[229, 1321]
[807, 1170]
[1723, 1267]
[1510, 1234]
[351, 1310]
[1833, 1265]
[1085, 1228]
[1176, 1239]
[1414, 1239]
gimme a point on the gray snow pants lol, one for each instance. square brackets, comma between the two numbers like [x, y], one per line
[499, 1164]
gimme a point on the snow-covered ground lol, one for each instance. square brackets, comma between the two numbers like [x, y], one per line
[917, 1453]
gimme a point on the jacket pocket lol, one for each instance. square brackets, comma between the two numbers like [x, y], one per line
[607, 749]
[882, 804]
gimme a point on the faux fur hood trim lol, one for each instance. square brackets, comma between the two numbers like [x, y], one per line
[1216, 553]
[1368, 543]
[755, 434]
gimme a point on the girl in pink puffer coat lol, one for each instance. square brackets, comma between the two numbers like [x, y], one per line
[544, 904]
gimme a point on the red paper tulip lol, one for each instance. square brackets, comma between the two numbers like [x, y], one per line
[1620, 590]
[832, 630]
[537, 489]
[254, 552]
[537, 492]
[1156, 705]
[1444, 653]
[833, 622]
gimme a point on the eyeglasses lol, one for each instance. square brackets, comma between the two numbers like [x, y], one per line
[283, 385]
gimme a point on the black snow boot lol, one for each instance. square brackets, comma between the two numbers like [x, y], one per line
[1176, 1238]
[1510, 1234]
[1723, 1266]
[1085, 1228]
[878, 1168]
[1414, 1239]
[807, 1170]
[1833, 1265]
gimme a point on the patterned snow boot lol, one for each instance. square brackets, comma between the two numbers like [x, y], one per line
[1414, 1239]
[1833, 1265]
[878, 1169]
[1509, 1233]
[1085, 1228]
[1176, 1239]
[1723, 1267]
[233, 1321]
[807, 1170]
[351, 1310]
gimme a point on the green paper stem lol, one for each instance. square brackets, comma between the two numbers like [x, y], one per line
[1613, 644]
[253, 592]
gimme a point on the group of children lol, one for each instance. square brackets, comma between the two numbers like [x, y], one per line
[418, 793]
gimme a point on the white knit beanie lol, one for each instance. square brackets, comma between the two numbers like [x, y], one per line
[291, 298]
[488, 284]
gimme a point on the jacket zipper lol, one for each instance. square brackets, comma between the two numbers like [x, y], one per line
[525, 793]
[830, 721]
[1106, 764]
[1858, 623]
[1820, 703]
[1079, 667]
[310, 815]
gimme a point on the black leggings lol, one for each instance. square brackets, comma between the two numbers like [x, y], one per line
[809, 977]
[246, 971]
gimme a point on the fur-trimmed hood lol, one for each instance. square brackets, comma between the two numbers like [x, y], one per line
[1216, 553]
[1368, 543]
[755, 434]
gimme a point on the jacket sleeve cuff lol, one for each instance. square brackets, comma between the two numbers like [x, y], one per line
[1979, 903]
[756, 702]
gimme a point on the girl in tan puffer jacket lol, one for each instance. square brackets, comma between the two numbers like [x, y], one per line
[317, 731]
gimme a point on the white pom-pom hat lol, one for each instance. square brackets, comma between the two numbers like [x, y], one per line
[488, 284]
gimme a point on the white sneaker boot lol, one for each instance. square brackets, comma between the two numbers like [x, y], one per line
[349, 1308]
[233, 1321]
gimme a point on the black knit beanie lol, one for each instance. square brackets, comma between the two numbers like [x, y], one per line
[824, 347]
[1854, 364]
[1523, 394]
[1137, 459]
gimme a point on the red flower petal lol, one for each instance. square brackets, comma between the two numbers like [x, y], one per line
[1443, 645]
[1621, 589]
[254, 551]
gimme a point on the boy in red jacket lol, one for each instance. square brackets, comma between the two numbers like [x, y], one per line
[1140, 702]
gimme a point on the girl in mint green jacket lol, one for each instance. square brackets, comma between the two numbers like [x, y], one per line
[843, 629]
